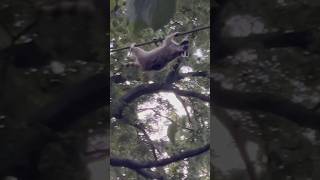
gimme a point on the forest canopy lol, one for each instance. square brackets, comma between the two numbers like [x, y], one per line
[160, 119]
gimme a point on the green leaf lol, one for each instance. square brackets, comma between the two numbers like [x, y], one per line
[164, 10]
[112, 4]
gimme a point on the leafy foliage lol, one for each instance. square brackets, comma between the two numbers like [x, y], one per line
[154, 14]
[44, 56]
[169, 131]
[283, 69]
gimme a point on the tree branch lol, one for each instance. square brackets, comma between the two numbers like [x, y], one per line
[190, 94]
[185, 108]
[266, 102]
[149, 89]
[230, 45]
[163, 162]
[150, 142]
[234, 128]
[158, 114]
[193, 74]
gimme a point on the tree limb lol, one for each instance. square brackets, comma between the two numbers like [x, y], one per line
[149, 89]
[230, 45]
[185, 108]
[163, 162]
[190, 94]
[277, 105]
[193, 74]
[234, 128]
[150, 142]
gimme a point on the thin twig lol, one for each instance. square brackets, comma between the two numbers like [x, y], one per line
[185, 108]
[161, 39]
[158, 114]
[150, 142]
[26, 29]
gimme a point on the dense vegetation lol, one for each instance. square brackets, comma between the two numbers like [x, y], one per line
[52, 89]
[266, 89]
[160, 125]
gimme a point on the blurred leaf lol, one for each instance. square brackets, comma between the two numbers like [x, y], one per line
[150, 13]
[112, 4]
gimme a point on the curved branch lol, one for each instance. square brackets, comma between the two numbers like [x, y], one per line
[149, 89]
[154, 88]
[234, 128]
[163, 162]
[132, 95]
[266, 102]
[104, 153]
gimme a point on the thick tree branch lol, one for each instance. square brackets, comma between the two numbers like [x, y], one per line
[163, 162]
[230, 45]
[190, 94]
[193, 74]
[154, 88]
[149, 89]
[234, 128]
[267, 103]
[133, 94]
[118, 78]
